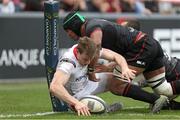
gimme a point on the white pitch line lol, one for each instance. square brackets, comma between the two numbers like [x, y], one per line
[136, 107]
[26, 115]
[49, 113]
[141, 114]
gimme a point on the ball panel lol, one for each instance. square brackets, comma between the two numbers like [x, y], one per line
[94, 103]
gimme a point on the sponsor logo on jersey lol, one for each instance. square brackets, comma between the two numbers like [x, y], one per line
[140, 62]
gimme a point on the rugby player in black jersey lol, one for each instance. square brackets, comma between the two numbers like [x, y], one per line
[172, 68]
[142, 53]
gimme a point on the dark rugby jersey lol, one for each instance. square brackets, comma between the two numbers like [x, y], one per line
[115, 37]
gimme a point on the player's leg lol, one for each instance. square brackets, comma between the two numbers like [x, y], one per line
[135, 92]
[174, 78]
[156, 79]
[130, 90]
[173, 105]
[160, 84]
[140, 81]
[94, 88]
[154, 67]
[171, 88]
[121, 88]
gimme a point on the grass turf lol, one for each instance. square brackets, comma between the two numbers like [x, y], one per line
[25, 100]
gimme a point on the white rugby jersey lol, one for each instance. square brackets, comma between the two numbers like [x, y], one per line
[78, 73]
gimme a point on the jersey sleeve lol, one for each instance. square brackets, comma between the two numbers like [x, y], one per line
[66, 65]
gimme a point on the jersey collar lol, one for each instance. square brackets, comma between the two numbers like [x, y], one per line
[75, 52]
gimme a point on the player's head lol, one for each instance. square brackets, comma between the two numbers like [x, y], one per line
[73, 21]
[86, 50]
[132, 23]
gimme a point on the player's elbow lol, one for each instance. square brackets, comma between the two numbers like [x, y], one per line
[53, 88]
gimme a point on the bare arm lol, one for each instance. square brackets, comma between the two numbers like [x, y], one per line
[57, 88]
[120, 60]
[108, 67]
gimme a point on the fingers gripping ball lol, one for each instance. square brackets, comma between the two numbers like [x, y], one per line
[94, 103]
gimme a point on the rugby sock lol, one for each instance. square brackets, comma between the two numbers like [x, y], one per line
[176, 87]
[137, 93]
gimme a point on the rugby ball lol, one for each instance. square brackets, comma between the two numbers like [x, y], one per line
[94, 103]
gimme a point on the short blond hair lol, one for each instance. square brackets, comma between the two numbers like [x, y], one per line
[86, 45]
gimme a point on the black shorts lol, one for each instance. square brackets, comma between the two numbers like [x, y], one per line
[175, 74]
[146, 53]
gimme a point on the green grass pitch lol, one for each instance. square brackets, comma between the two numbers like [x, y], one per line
[27, 100]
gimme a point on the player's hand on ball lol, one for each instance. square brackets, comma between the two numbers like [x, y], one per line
[82, 109]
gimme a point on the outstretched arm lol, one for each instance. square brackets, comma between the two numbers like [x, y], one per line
[120, 60]
[108, 67]
[57, 89]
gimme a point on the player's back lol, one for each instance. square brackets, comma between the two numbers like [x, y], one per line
[113, 34]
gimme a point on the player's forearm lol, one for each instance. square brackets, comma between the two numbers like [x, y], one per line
[121, 61]
[113, 56]
[61, 93]
[111, 66]
[57, 88]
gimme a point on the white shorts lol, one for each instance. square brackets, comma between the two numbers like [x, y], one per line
[93, 88]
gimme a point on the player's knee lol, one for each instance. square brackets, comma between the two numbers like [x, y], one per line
[164, 89]
[160, 85]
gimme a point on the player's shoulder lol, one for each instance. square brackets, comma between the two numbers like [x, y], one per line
[96, 21]
[69, 53]
[69, 57]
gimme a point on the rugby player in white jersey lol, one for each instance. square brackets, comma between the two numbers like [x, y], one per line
[71, 82]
